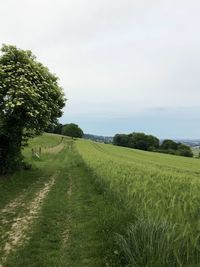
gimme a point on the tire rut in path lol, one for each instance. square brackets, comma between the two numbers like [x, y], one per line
[13, 206]
[18, 233]
[67, 231]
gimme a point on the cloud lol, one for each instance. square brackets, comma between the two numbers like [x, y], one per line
[114, 58]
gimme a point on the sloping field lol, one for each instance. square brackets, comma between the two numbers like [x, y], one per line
[88, 204]
[162, 191]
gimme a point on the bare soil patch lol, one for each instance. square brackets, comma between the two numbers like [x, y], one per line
[18, 233]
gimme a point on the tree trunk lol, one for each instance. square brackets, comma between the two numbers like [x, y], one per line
[10, 151]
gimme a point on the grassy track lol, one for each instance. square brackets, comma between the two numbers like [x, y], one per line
[71, 226]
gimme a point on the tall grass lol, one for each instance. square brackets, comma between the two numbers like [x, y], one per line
[148, 243]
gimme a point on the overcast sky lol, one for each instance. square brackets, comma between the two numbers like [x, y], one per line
[125, 65]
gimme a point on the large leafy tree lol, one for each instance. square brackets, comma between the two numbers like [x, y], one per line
[72, 130]
[30, 100]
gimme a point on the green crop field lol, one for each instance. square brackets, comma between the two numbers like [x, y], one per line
[84, 203]
[162, 192]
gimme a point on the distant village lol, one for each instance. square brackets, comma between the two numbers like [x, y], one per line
[99, 138]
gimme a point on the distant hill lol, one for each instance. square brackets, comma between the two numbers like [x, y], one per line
[189, 142]
[99, 138]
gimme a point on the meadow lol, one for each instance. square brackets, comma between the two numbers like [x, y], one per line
[84, 203]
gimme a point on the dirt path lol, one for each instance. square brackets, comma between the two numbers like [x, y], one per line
[12, 207]
[55, 149]
[22, 224]
[66, 233]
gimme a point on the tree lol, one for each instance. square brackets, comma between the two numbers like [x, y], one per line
[137, 140]
[153, 142]
[121, 140]
[72, 130]
[168, 144]
[171, 147]
[184, 150]
[143, 141]
[30, 100]
[54, 128]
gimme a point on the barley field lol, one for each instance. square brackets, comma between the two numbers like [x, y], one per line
[162, 193]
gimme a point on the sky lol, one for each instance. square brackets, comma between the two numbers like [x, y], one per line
[125, 65]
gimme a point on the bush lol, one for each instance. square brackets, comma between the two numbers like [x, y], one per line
[184, 153]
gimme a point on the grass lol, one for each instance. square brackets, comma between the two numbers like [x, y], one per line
[77, 222]
[93, 221]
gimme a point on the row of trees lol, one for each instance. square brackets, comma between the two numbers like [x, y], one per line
[137, 140]
[151, 143]
[71, 129]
